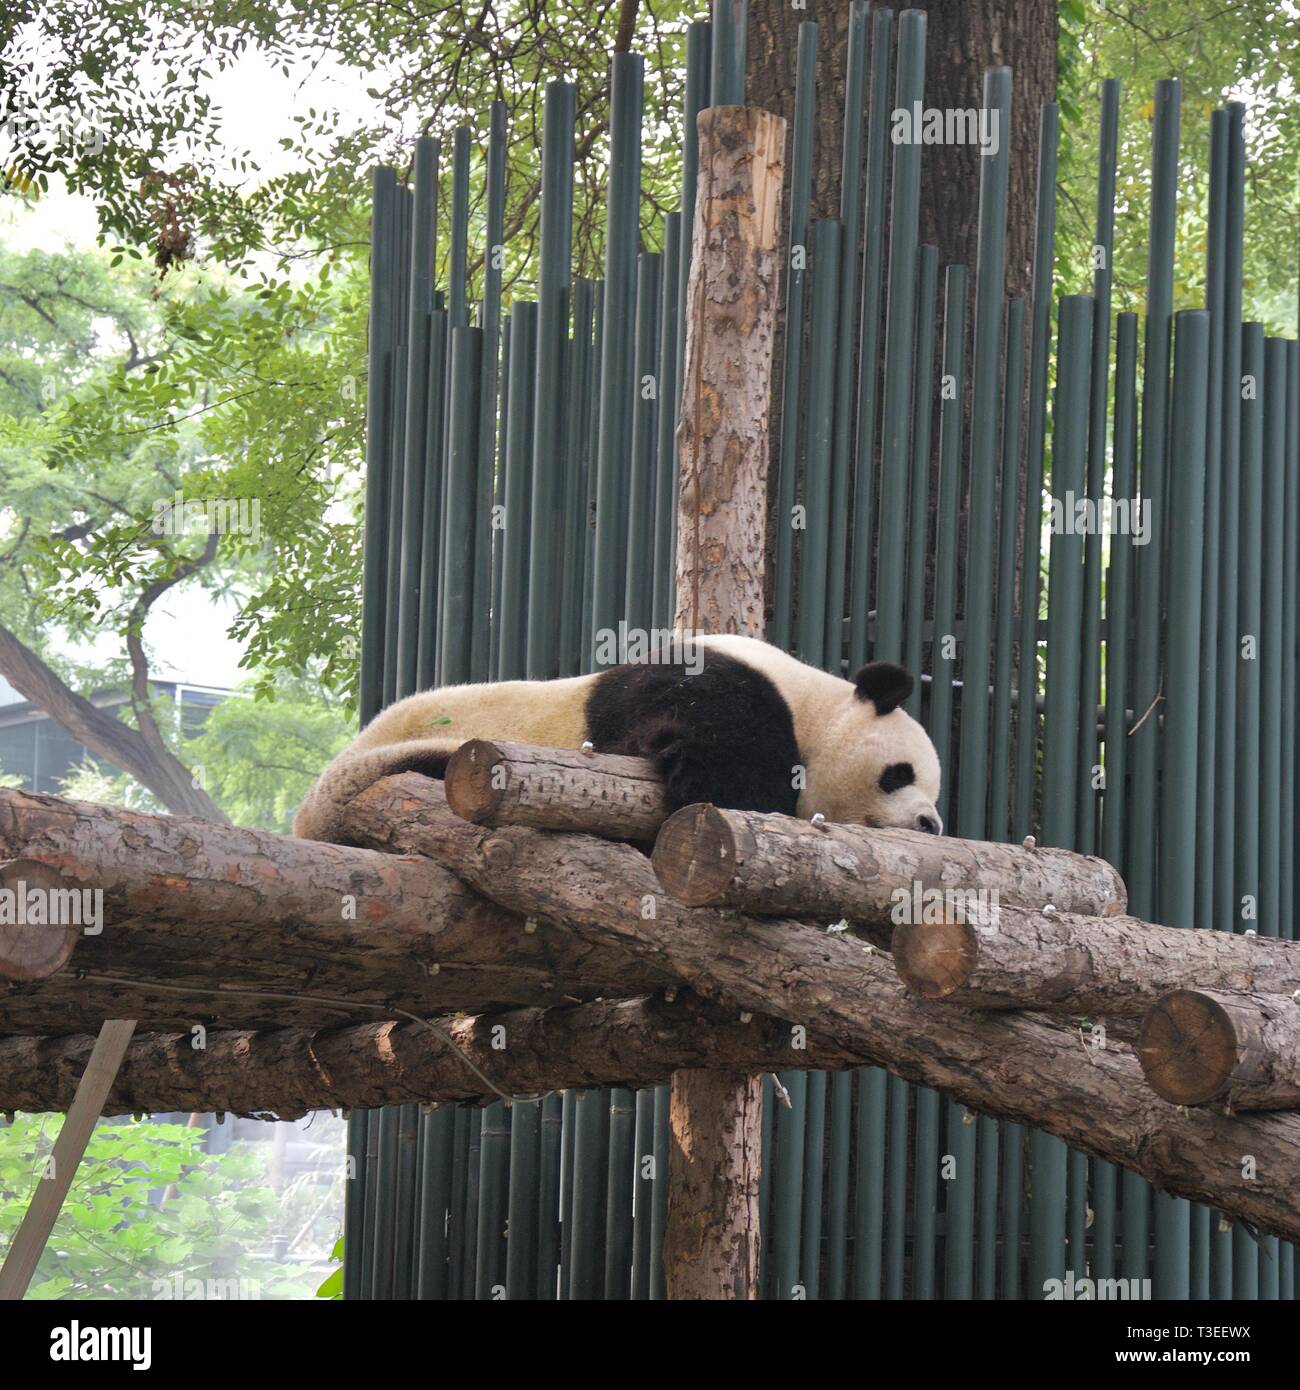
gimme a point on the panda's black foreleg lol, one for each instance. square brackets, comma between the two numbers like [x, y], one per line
[727, 771]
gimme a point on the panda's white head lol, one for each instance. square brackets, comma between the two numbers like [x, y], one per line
[872, 763]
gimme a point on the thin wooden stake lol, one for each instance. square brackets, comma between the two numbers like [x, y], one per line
[32, 1235]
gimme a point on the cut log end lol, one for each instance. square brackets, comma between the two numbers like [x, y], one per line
[695, 855]
[1188, 1047]
[473, 792]
[33, 950]
[934, 959]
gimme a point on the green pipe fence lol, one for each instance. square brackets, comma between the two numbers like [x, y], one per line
[520, 501]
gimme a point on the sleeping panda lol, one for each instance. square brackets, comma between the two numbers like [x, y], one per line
[730, 720]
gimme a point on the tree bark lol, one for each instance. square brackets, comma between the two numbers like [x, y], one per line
[716, 1119]
[606, 794]
[1238, 1050]
[722, 433]
[287, 1072]
[778, 865]
[1023, 1067]
[152, 765]
[1112, 967]
[193, 913]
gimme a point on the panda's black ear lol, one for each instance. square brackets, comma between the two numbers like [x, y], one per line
[884, 684]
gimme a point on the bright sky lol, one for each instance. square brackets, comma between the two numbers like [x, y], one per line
[186, 631]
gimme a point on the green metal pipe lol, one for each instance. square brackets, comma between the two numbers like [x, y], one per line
[473, 1176]
[435, 1186]
[524, 1201]
[837, 1189]
[516, 459]
[552, 335]
[817, 467]
[1008, 517]
[590, 1148]
[431, 558]
[918, 547]
[406, 1197]
[458, 533]
[548, 1199]
[617, 384]
[663, 568]
[643, 1153]
[621, 1165]
[493, 1195]
[800, 195]
[864, 477]
[1040, 344]
[814, 1159]
[986, 361]
[952, 399]
[900, 334]
[457, 274]
[580, 402]
[727, 78]
[850, 237]
[869, 1200]
[659, 1193]
[501, 424]
[1047, 1206]
[638, 580]
[1103, 251]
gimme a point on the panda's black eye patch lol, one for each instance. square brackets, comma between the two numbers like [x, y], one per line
[897, 775]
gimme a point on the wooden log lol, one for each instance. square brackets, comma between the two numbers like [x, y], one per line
[213, 925]
[722, 431]
[1240, 1050]
[1023, 1067]
[287, 1072]
[723, 438]
[496, 783]
[778, 865]
[1099, 966]
[36, 937]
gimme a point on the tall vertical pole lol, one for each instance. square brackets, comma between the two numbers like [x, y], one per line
[715, 1118]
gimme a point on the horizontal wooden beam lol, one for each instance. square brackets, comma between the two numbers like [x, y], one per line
[287, 1072]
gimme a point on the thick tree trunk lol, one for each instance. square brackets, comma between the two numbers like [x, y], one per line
[1115, 967]
[1240, 1050]
[287, 1072]
[220, 926]
[779, 865]
[607, 794]
[1022, 1067]
[151, 764]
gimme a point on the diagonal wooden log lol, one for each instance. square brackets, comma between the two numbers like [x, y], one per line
[1019, 1066]
[1240, 1050]
[287, 1072]
[210, 924]
[1113, 967]
[607, 794]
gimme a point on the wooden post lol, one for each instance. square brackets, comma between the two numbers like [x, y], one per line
[43, 1210]
[712, 1236]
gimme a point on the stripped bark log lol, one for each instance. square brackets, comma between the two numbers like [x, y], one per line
[287, 1072]
[195, 912]
[1018, 1066]
[605, 794]
[779, 865]
[1109, 967]
[1239, 1050]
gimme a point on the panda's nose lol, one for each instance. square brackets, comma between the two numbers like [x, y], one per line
[930, 825]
